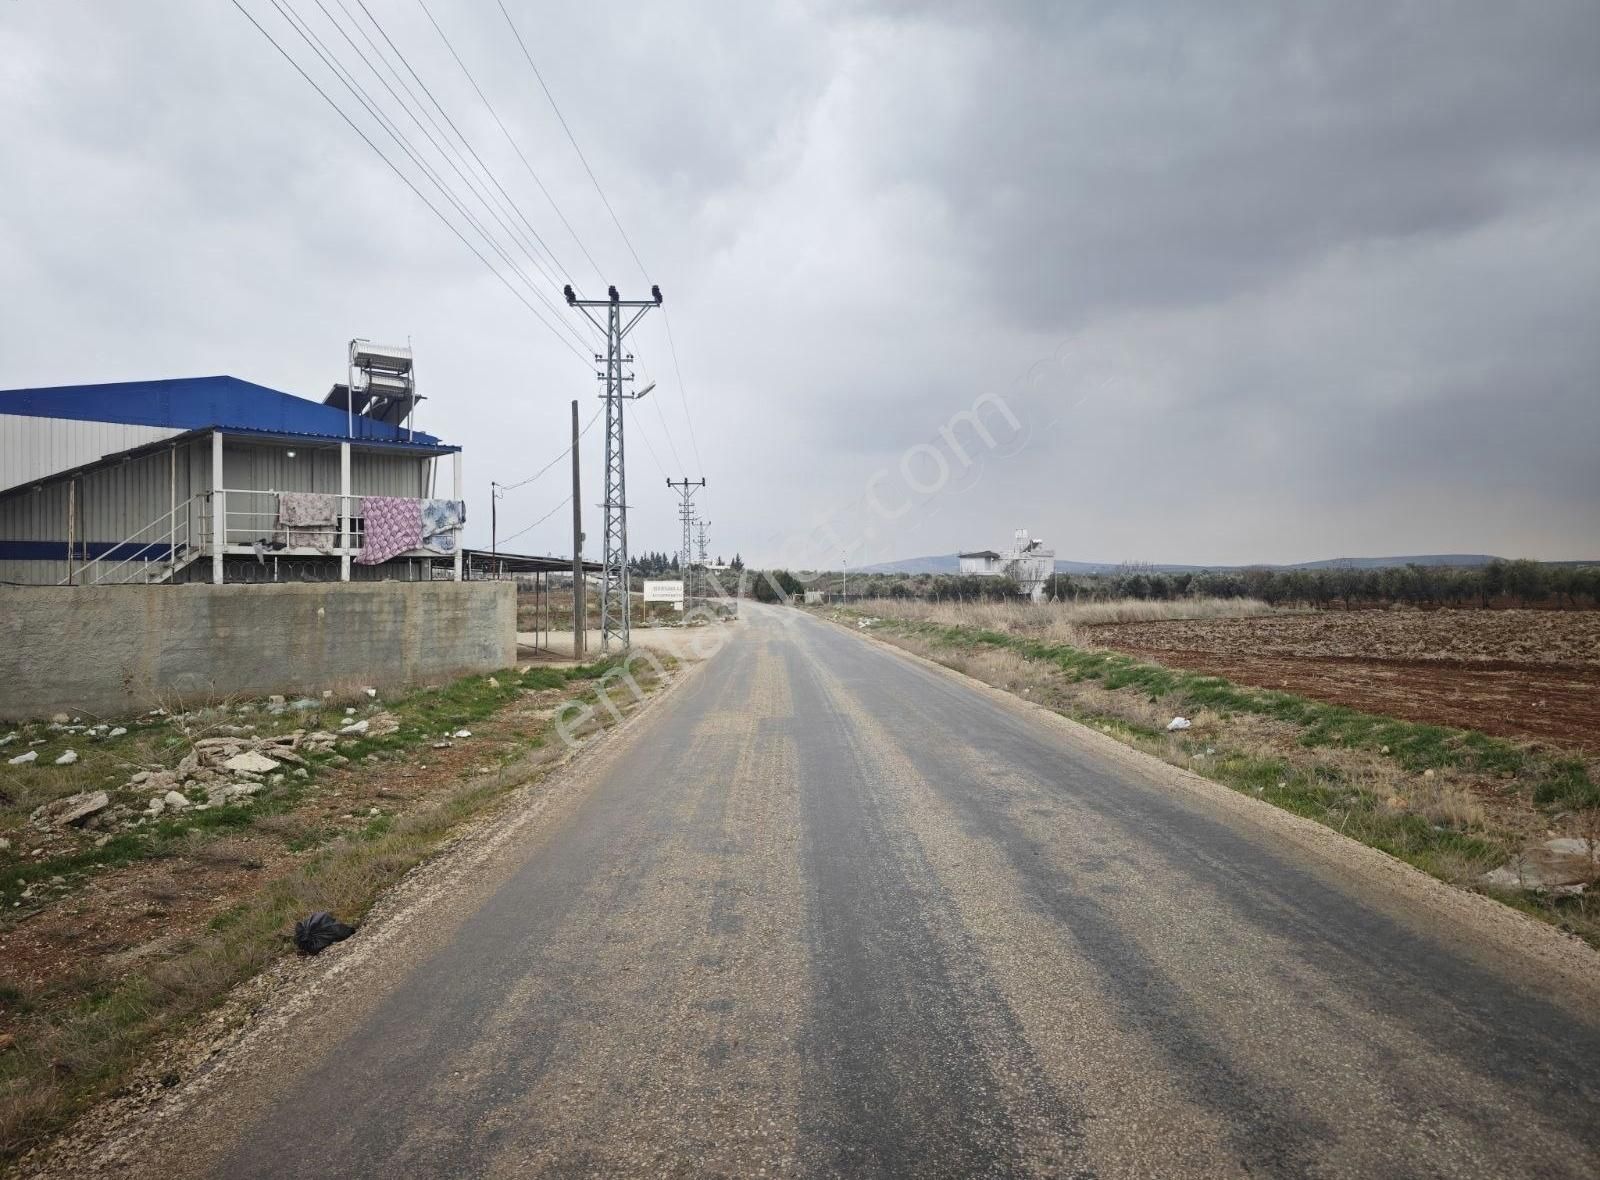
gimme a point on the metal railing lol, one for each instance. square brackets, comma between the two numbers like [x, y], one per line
[250, 518]
[153, 554]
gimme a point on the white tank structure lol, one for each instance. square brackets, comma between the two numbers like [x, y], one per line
[1030, 564]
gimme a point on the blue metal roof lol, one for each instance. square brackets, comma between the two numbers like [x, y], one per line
[200, 403]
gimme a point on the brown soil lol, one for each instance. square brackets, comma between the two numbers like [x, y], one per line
[1519, 674]
[122, 915]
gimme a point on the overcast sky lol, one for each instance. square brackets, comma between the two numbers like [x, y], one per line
[1245, 282]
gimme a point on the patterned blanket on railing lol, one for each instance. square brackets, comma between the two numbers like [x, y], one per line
[440, 521]
[308, 518]
[393, 526]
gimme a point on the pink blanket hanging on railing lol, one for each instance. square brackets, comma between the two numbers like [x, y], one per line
[393, 526]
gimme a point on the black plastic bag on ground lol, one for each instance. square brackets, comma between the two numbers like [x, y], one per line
[320, 931]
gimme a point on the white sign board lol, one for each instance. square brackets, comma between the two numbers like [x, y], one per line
[664, 592]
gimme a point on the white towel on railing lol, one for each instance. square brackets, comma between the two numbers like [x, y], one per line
[440, 521]
[308, 518]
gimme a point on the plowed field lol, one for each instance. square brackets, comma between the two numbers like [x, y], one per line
[1514, 673]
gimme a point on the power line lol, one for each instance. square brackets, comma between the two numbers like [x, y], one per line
[683, 397]
[510, 139]
[406, 180]
[567, 499]
[373, 108]
[571, 138]
[511, 487]
[509, 201]
[615, 220]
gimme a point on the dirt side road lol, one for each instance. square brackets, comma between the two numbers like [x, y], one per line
[831, 912]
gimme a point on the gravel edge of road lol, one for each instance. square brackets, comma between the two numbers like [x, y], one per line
[1560, 966]
[260, 1013]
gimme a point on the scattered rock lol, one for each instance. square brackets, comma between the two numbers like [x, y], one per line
[304, 703]
[233, 793]
[463, 733]
[8, 739]
[372, 693]
[251, 762]
[1178, 723]
[60, 719]
[1564, 865]
[72, 811]
[444, 745]
[175, 801]
[382, 724]
[22, 759]
[68, 757]
[354, 729]
[138, 778]
[494, 683]
[118, 731]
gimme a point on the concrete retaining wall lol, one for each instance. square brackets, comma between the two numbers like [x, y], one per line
[111, 650]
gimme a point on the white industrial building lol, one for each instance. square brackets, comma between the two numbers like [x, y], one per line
[219, 480]
[1027, 562]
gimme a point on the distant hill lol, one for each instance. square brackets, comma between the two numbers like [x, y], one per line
[948, 564]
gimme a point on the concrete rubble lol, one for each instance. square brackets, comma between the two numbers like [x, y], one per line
[252, 761]
[1563, 865]
[73, 811]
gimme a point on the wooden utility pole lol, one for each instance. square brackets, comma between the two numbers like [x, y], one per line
[580, 609]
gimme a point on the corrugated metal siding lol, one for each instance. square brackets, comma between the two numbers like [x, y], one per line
[33, 448]
[316, 469]
[112, 505]
[115, 503]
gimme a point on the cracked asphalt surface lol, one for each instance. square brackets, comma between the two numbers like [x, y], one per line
[828, 911]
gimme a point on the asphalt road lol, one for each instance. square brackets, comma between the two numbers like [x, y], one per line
[830, 912]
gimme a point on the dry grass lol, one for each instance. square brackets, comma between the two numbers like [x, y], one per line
[1059, 622]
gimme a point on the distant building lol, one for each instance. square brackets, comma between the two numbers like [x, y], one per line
[1028, 563]
[215, 479]
[980, 561]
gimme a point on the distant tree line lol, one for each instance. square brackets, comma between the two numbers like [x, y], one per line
[1498, 583]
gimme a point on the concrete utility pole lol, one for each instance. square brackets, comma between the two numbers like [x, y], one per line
[615, 604]
[580, 607]
[686, 488]
[494, 526]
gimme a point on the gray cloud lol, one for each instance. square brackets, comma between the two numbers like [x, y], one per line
[1288, 282]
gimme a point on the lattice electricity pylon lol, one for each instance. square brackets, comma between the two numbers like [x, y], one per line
[615, 605]
[687, 487]
[700, 527]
